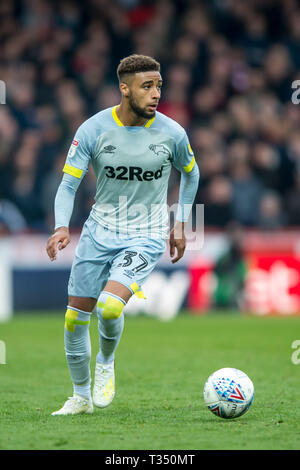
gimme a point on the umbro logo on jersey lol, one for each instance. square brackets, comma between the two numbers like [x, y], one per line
[159, 148]
[109, 149]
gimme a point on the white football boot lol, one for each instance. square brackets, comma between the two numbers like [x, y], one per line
[74, 406]
[104, 385]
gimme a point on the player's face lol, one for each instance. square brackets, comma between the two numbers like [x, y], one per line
[144, 93]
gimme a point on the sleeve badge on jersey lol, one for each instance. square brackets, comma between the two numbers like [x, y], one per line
[73, 148]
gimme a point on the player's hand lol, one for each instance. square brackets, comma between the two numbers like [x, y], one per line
[178, 241]
[58, 241]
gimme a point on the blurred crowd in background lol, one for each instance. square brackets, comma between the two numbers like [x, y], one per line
[227, 66]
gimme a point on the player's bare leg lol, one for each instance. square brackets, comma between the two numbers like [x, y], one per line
[118, 289]
[78, 353]
[111, 323]
[86, 304]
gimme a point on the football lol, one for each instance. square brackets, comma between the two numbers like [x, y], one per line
[228, 393]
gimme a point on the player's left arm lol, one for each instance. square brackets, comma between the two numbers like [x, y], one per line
[185, 162]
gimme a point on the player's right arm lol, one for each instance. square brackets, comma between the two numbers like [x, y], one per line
[59, 240]
[74, 170]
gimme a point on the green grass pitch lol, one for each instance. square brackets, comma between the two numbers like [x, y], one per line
[161, 368]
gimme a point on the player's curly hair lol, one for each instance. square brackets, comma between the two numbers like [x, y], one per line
[136, 63]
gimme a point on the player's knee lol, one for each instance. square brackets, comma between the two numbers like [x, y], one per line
[73, 318]
[111, 309]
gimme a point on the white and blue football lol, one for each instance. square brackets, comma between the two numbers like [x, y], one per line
[228, 393]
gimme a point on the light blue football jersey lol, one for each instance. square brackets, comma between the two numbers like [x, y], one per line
[132, 165]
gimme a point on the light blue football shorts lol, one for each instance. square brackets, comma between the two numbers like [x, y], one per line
[102, 255]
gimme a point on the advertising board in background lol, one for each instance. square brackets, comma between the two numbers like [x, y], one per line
[29, 281]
